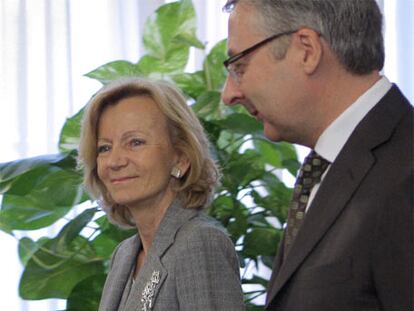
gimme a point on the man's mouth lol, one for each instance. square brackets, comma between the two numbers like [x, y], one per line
[256, 115]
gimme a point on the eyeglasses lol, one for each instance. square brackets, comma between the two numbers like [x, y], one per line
[231, 65]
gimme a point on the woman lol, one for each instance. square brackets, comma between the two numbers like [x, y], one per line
[145, 157]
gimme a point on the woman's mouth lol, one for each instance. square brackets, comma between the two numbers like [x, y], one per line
[120, 180]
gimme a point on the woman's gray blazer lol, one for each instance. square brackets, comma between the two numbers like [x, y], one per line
[191, 265]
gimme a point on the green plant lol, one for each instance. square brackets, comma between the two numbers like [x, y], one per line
[39, 192]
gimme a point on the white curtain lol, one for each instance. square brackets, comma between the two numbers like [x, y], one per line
[399, 44]
[46, 46]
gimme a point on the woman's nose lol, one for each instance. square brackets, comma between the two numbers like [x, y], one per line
[117, 158]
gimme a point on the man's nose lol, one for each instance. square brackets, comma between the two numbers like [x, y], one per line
[232, 93]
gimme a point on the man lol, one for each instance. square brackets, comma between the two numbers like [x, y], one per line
[309, 70]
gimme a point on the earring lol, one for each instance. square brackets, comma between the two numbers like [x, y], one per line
[176, 172]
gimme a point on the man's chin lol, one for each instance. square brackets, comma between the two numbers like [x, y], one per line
[271, 133]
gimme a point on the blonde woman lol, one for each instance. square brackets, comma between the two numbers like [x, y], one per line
[145, 158]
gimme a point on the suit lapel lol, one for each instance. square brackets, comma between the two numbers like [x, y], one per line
[146, 287]
[277, 263]
[153, 274]
[322, 214]
[346, 174]
[120, 272]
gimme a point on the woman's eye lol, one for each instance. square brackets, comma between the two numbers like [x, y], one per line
[103, 148]
[135, 142]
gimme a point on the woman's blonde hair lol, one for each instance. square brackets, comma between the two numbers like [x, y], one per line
[195, 189]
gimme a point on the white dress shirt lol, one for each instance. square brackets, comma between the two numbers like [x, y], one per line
[334, 137]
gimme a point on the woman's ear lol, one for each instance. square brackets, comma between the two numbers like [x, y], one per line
[181, 166]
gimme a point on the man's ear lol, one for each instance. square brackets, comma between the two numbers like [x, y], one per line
[310, 47]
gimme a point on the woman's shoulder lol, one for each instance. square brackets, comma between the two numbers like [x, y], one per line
[129, 243]
[203, 227]
[202, 241]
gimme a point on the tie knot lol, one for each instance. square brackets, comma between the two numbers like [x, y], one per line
[315, 160]
[312, 169]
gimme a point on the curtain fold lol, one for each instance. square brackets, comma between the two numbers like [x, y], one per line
[404, 42]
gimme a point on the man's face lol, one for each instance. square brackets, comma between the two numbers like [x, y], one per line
[268, 88]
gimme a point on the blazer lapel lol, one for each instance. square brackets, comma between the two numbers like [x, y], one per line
[153, 273]
[345, 174]
[147, 285]
[323, 212]
[119, 275]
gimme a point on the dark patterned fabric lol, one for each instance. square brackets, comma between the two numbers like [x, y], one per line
[310, 174]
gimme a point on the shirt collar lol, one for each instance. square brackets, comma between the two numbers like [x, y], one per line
[337, 133]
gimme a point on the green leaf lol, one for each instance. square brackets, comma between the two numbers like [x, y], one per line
[268, 261]
[192, 84]
[258, 220]
[277, 197]
[72, 229]
[104, 245]
[290, 158]
[238, 224]
[261, 241]
[56, 283]
[280, 155]
[114, 70]
[68, 258]
[113, 231]
[213, 131]
[173, 25]
[172, 63]
[167, 40]
[222, 209]
[53, 274]
[288, 150]
[41, 196]
[215, 73]
[86, 295]
[70, 133]
[269, 152]
[241, 123]
[5, 227]
[10, 170]
[109, 238]
[208, 105]
[27, 247]
[253, 307]
[235, 172]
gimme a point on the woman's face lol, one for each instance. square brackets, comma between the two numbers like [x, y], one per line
[135, 154]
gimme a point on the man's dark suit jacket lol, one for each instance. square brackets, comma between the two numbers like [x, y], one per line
[354, 250]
